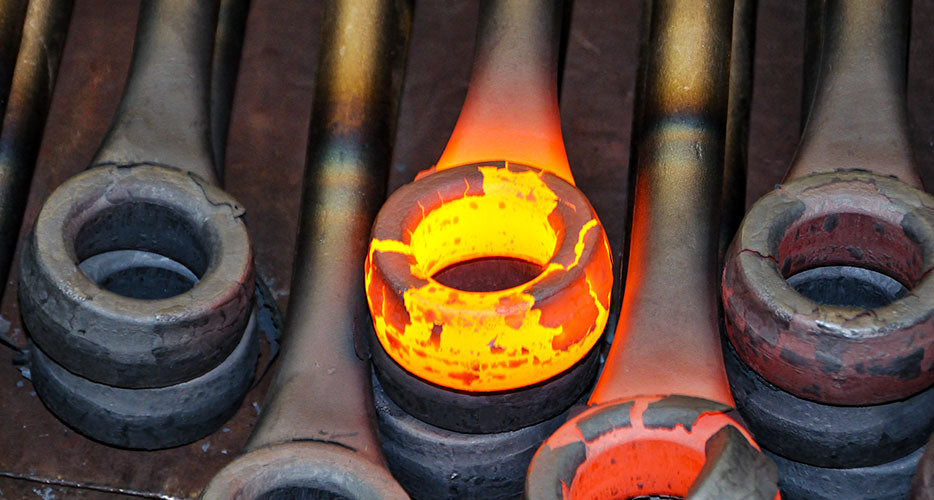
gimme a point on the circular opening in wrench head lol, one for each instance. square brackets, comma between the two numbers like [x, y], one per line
[141, 250]
[300, 493]
[849, 259]
[488, 274]
[848, 286]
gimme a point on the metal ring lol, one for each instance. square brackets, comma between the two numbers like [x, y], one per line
[827, 435]
[888, 481]
[318, 468]
[488, 341]
[148, 419]
[433, 463]
[829, 353]
[123, 341]
[483, 412]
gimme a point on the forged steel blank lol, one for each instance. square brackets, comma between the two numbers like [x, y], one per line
[316, 437]
[137, 277]
[485, 365]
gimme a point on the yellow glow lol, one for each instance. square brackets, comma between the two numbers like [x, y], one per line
[491, 341]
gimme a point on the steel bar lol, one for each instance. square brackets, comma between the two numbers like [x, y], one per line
[733, 195]
[228, 44]
[657, 422]
[12, 15]
[164, 115]
[511, 108]
[34, 47]
[317, 432]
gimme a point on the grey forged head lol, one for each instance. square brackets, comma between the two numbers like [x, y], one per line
[148, 419]
[124, 341]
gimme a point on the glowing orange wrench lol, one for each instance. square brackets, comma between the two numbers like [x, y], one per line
[502, 189]
[658, 421]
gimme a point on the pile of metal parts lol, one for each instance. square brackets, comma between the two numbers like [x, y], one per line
[461, 339]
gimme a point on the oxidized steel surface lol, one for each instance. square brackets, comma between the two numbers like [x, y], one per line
[95, 64]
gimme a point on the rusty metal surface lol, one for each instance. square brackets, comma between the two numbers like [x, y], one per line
[266, 155]
[829, 352]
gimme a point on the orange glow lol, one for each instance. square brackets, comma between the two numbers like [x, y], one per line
[510, 116]
[502, 188]
[488, 341]
[485, 135]
[637, 460]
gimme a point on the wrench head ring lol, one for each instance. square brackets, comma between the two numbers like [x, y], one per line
[839, 354]
[127, 341]
[503, 339]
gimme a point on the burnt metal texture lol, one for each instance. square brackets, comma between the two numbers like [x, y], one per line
[317, 435]
[32, 37]
[148, 190]
[852, 197]
[663, 390]
[433, 463]
[266, 157]
[505, 411]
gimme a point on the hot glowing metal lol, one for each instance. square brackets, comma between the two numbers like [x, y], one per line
[502, 188]
[658, 420]
[499, 340]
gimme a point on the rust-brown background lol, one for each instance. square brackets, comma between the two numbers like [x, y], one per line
[41, 458]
